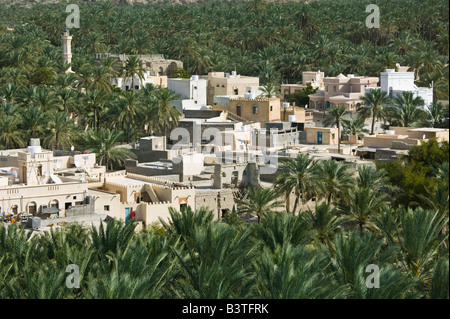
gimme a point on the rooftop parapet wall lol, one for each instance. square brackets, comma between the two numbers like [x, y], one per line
[151, 179]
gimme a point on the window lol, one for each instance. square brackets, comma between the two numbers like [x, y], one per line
[334, 88]
[271, 108]
[218, 85]
[74, 197]
[106, 208]
[255, 109]
[195, 87]
[136, 87]
[236, 91]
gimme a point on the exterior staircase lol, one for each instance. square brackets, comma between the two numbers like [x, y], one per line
[234, 117]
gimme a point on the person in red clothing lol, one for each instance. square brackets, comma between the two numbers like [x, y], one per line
[133, 214]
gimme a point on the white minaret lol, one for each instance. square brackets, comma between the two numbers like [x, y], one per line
[67, 50]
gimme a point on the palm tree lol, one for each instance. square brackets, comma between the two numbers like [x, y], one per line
[352, 253]
[270, 90]
[128, 107]
[374, 101]
[406, 109]
[372, 178]
[46, 99]
[362, 204]
[440, 280]
[105, 144]
[10, 135]
[419, 235]
[33, 121]
[259, 202]
[435, 115]
[61, 132]
[133, 67]
[354, 127]
[215, 263]
[337, 113]
[95, 101]
[299, 176]
[334, 179]
[324, 221]
[165, 115]
[67, 98]
[292, 272]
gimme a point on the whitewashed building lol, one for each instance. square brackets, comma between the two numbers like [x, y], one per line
[192, 91]
[395, 83]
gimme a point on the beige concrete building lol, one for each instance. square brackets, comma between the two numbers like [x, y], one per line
[32, 185]
[398, 139]
[342, 90]
[295, 113]
[136, 83]
[254, 110]
[121, 193]
[220, 83]
[156, 64]
[322, 135]
[310, 77]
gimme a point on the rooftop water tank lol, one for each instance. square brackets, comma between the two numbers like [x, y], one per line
[251, 96]
[350, 75]
[194, 78]
[291, 118]
[233, 73]
[35, 146]
[35, 142]
[286, 104]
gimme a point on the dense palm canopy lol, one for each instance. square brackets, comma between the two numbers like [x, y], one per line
[319, 252]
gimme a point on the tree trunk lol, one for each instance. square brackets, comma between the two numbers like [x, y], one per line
[373, 123]
[128, 131]
[295, 204]
[339, 138]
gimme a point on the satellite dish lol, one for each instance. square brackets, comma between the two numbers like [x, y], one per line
[397, 65]
[72, 148]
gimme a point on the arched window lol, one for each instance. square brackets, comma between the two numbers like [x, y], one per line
[14, 209]
[32, 208]
[54, 203]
